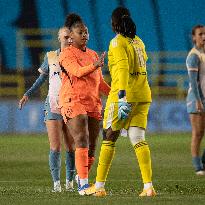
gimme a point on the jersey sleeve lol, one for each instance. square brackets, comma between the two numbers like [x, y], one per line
[37, 84]
[44, 68]
[70, 63]
[121, 60]
[144, 50]
[145, 55]
[192, 62]
[193, 76]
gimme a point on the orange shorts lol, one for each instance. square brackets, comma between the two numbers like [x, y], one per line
[69, 112]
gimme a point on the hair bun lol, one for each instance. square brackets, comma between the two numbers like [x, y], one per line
[72, 19]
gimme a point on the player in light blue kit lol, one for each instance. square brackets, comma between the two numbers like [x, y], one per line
[54, 121]
[195, 63]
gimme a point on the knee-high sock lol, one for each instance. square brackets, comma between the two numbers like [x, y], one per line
[203, 158]
[81, 162]
[70, 165]
[106, 155]
[55, 164]
[90, 162]
[197, 163]
[143, 155]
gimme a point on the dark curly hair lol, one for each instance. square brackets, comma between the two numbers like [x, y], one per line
[72, 20]
[122, 22]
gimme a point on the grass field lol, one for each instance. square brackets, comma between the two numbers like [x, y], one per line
[25, 178]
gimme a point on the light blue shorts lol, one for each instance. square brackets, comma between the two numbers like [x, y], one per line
[191, 105]
[48, 114]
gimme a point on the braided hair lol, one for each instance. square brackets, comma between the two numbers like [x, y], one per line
[72, 20]
[122, 22]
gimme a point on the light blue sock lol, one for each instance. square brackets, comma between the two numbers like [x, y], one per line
[55, 164]
[70, 165]
[197, 163]
[203, 158]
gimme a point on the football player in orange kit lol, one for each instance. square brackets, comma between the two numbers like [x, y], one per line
[80, 103]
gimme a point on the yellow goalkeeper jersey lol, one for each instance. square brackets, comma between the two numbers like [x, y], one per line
[127, 65]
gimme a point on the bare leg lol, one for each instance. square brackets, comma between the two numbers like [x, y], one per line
[111, 135]
[94, 129]
[78, 128]
[54, 129]
[198, 126]
[68, 139]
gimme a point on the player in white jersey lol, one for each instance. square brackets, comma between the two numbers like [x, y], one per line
[50, 68]
[195, 63]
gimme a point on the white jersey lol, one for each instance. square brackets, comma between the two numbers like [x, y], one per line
[200, 68]
[54, 80]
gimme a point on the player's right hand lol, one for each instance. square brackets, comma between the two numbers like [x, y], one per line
[23, 101]
[100, 61]
[199, 106]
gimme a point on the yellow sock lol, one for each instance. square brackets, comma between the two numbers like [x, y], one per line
[106, 155]
[143, 155]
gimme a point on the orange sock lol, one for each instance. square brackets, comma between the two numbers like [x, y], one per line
[81, 162]
[90, 162]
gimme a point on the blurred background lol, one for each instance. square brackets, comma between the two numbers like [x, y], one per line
[29, 29]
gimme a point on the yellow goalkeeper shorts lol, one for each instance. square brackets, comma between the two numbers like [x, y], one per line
[136, 118]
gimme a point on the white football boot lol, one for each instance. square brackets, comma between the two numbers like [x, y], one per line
[57, 187]
[69, 185]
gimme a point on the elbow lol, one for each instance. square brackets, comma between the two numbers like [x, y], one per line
[78, 75]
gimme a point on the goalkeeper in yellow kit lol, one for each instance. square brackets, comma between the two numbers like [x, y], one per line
[128, 102]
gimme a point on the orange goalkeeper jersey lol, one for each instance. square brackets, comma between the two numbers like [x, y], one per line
[81, 81]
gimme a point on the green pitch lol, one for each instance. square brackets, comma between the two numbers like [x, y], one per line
[25, 177]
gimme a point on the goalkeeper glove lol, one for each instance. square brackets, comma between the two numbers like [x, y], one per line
[123, 106]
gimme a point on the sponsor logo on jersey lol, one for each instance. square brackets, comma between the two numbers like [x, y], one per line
[139, 73]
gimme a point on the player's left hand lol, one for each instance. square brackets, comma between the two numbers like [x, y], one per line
[23, 101]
